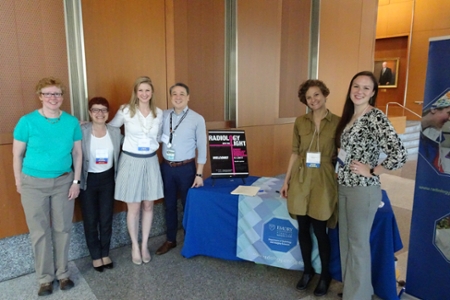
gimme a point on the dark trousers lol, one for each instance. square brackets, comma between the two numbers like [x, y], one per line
[97, 203]
[177, 181]
[323, 241]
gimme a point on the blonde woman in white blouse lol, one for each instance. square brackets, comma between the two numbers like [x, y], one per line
[139, 180]
[363, 132]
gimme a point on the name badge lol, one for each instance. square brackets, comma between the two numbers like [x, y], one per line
[313, 159]
[101, 156]
[342, 156]
[144, 145]
[165, 138]
[170, 153]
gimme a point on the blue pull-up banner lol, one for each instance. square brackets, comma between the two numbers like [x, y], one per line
[428, 269]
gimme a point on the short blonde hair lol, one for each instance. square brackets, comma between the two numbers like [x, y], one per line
[49, 81]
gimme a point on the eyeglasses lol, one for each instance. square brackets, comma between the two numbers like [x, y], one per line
[97, 110]
[49, 95]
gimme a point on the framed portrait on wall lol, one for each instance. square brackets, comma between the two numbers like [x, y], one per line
[386, 72]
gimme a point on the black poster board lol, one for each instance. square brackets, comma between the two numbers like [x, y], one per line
[228, 153]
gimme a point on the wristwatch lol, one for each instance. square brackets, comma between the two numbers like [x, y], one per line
[199, 175]
[76, 182]
[372, 172]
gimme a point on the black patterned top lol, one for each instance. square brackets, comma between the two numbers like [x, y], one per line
[370, 135]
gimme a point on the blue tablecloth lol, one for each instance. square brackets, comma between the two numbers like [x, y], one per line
[210, 221]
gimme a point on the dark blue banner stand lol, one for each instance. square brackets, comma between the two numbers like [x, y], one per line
[428, 269]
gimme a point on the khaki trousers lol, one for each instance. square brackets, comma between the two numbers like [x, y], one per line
[357, 209]
[49, 214]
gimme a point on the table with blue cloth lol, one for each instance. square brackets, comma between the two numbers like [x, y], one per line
[211, 218]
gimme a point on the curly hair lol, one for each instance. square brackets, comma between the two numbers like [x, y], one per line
[304, 87]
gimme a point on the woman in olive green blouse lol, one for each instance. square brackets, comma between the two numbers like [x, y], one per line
[310, 184]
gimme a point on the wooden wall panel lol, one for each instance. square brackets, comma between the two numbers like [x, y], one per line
[341, 55]
[124, 40]
[294, 57]
[431, 19]
[32, 47]
[259, 38]
[12, 221]
[199, 43]
[394, 18]
[269, 148]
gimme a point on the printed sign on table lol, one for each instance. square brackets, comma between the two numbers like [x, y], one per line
[228, 153]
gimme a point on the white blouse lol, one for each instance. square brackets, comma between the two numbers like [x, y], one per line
[141, 133]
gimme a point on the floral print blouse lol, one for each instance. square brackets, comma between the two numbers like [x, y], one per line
[370, 135]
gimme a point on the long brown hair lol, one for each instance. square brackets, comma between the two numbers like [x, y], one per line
[349, 107]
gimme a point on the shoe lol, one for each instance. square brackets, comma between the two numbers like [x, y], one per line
[65, 284]
[45, 289]
[136, 259]
[109, 265]
[166, 247]
[340, 295]
[322, 287]
[146, 258]
[99, 269]
[304, 281]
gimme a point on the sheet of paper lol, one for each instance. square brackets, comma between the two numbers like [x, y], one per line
[246, 190]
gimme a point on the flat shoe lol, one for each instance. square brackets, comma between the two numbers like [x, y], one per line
[66, 284]
[304, 281]
[109, 266]
[45, 289]
[322, 287]
[146, 258]
[99, 268]
[136, 260]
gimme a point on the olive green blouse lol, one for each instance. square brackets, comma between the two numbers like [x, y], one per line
[313, 191]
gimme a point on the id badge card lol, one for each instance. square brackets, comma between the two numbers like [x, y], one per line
[165, 138]
[144, 145]
[342, 155]
[313, 159]
[170, 153]
[101, 156]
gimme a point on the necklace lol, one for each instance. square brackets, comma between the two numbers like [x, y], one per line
[52, 120]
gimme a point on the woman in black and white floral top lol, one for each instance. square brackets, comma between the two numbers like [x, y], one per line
[362, 134]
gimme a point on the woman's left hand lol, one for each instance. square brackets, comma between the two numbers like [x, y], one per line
[74, 191]
[360, 168]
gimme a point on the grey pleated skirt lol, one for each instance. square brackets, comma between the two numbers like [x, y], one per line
[138, 179]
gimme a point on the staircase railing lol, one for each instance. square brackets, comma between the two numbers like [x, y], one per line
[404, 107]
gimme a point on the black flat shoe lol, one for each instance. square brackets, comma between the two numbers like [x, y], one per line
[109, 266]
[322, 287]
[304, 281]
[98, 269]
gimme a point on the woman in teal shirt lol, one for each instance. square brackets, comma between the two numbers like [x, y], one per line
[47, 161]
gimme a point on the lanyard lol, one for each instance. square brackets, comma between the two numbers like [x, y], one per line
[314, 134]
[172, 131]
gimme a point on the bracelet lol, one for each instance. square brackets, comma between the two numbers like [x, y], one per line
[199, 175]
[76, 182]
[372, 172]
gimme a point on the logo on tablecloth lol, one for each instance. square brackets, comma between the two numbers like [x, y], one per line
[280, 235]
